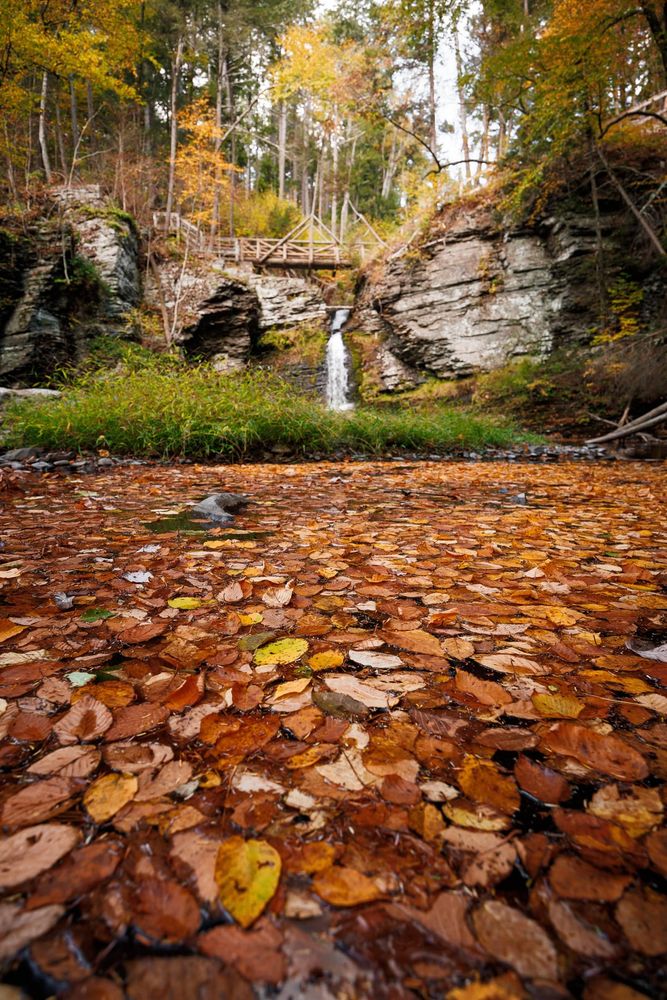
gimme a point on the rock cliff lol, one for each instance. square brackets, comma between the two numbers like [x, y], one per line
[74, 275]
[475, 296]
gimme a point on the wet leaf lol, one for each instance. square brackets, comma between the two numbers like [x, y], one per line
[247, 873]
[17, 928]
[86, 721]
[33, 850]
[482, 781]
[606, 753]
[509, 936]
[343, 886]
[108, 795]
[281, 651]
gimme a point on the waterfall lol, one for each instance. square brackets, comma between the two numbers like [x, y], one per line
[337, 364]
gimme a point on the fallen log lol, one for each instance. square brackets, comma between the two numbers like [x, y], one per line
[651, 419]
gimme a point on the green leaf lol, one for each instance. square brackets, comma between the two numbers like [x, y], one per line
[97, 615]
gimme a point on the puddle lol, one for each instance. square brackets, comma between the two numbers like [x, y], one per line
[187, 524]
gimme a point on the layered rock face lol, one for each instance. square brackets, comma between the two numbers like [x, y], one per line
[222, 312]
[227, 327]
[108, 240]
[475, 297]
[79, 277]
[286, 302]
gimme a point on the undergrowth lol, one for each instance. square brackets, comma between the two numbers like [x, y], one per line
[164, 409]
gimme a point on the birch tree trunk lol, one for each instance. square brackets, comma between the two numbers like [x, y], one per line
[173, 138]
[73, 113]
[282, 147]
[41, 130]
[463, 118]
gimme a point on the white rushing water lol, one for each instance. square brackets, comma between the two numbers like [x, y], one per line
[338, 387]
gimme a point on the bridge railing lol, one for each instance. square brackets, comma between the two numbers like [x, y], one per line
[296, 253]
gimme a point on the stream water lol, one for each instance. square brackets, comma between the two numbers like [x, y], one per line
[338, 387]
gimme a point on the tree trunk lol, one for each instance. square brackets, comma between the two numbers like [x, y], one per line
[432, 107]
[484, 141]
[74, 113]
[217, 144]
[334, 182]
[173, 139]
[43, 139]
[282, 147]
[658, 26]
[463, 121]
[91, 110]
[60, 139]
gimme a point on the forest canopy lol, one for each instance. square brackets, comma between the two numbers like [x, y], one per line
[248, 117]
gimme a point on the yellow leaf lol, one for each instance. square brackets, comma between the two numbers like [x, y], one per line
[458, 648]
[280, 652]
[247, 873]
[187, 603]
[342, 886]
[328, 659]
[109, 794]
[254, 618]
[290, 687]
[558, 706]
[9, 629]
[475, 817]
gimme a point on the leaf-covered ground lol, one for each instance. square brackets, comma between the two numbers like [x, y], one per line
[398, 733]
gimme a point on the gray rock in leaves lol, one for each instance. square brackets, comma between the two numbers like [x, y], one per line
[220, 506]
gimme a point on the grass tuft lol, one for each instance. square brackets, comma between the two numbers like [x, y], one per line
[167, 410]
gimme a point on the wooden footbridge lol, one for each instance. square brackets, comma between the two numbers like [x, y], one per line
[310, 246]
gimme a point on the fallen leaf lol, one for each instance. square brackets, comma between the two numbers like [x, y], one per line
[247, 873]
[32, 850]
[483, 781]
[87, 720]
[108, 795]
[163, 910]
[343, 886]
[638, 810]
[510, 937]
[282, 651]
[608, 754]
[18, 927]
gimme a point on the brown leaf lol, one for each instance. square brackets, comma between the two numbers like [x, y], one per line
[485, 692]
[81, 871]
[254, 953]
[39, 801]
[165, 911]
[415, 640]
[34, 849]
[136, 757]
[642, 913]
[447, 919]
[573, 878]
[483, 781]
[541, 782]
[69, 762]
[186, 977]
[576, 934]
[153, 785]
[85, 721]
[608, 754]
[509, 936]
[135, 720]
[19, 927]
